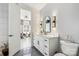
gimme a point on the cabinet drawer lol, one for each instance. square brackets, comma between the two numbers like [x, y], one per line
[46, 44]
[46, 41]
[46, 53]
[46, 47]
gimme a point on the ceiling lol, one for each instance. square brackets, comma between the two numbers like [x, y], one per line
[38, 6]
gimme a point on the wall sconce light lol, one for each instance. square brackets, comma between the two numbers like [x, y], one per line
[54, 23]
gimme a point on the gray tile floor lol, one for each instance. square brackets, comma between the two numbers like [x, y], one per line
[28, 52]
[35, 52]
[24, 52]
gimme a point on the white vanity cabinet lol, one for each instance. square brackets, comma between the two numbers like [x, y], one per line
[46, 45]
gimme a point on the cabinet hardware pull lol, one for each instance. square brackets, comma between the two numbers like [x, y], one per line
[45, 40]
[38, 42]
[46, 46]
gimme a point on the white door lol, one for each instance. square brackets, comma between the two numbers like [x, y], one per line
[14, 29]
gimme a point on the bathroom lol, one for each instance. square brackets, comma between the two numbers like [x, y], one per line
[39, 29]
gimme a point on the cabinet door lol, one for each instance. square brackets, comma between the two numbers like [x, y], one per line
[36, 42]
[41, 44]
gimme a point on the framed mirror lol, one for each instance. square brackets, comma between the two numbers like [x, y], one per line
[47, 24]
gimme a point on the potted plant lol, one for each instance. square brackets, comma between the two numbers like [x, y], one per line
[5, 51]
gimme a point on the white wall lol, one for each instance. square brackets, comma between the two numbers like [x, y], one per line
[35, 21]
[3, 23]
[67, 18]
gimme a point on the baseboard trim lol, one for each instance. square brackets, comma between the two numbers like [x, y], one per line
[16, 53]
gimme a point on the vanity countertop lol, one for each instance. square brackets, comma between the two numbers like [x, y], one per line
[48, 35]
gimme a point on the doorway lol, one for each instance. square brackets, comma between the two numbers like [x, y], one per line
[25, 32]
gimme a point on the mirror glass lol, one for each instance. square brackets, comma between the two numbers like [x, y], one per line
[47, 24]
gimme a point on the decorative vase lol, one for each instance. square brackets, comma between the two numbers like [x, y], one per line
[5, 52]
